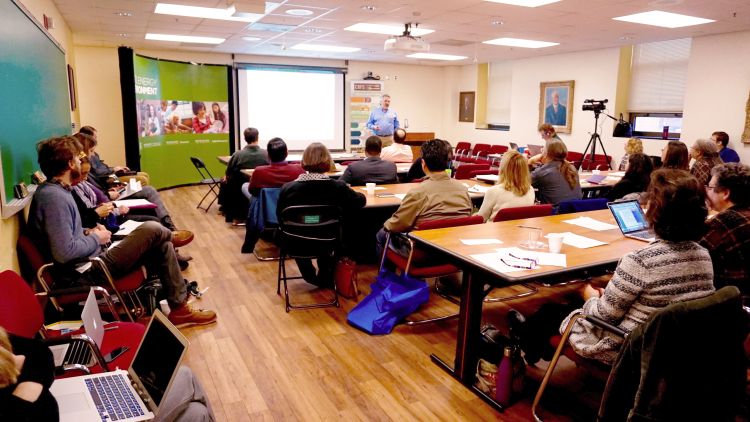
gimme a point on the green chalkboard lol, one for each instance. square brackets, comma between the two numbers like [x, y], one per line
[34, 99]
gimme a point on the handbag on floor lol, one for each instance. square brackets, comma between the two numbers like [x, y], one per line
[345, 276]
[392, 298]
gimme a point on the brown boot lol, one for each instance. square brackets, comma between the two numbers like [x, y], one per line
[187, 316]
[182, 237]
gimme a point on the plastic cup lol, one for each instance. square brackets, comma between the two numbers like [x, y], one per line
[164, 306]
[555, 242]
[370, 188]
[532, 241]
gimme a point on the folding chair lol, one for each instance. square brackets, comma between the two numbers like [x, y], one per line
[206, 179]
[308, 232]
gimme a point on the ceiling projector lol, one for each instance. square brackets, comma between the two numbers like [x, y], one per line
[406, 43]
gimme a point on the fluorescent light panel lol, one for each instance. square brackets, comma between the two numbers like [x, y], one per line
[325, 48]
[206, 12]
[184, 38]
[518, 42]
[525, 3]
[663, 19]
[435, 56]
[374, 28]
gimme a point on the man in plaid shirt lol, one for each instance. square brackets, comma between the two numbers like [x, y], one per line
[728, 233]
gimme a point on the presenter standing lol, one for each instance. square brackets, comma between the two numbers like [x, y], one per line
[383, 121]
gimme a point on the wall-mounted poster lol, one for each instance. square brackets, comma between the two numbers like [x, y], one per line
[556, 105]
[365, 96]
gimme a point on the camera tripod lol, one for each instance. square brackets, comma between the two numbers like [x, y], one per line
[592, 144]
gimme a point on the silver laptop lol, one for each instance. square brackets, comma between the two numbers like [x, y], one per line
[631, 220]
[534, 149]
[132, 395]
[78, 352]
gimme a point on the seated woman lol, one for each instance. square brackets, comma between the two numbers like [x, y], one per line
[26, 374]
[675, 156]
[556, 180]
[548, 134]
[632, 146]
[513, 188]
[316, 188]
[636, 179]
[706, 156]
[672, 269]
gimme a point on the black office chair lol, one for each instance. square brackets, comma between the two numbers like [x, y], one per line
[206, 179]
[307, 232]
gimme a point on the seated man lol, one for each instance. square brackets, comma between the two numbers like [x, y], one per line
[728, 233]
[398, 152]
[727, 155]
[437, 197]
[278, 172]
[233, 203]
[416, 172]
[56, 225]
[372, 169]
[102, 172]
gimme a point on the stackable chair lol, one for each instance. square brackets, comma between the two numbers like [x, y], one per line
[600, 162]
[462, 148]
[582, 205]
[575, 158]
[21, 315]
[496, 149]
[464, 170]
[308, 232]
[416, 264]
[478, 154]
[208, 180]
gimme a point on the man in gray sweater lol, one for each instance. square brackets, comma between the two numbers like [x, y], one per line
[56, 225]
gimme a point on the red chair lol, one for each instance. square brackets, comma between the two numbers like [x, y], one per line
[21, 314]
[475, 173]
[464, 170]
[479, 154]
[415, 264]
[462, 148]
[518, 213]
[575, 158]
[600, 162]
[496, 149]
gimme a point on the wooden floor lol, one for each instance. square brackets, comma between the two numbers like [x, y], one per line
[260, 363]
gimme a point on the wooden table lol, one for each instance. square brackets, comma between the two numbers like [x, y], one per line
[590, 190]
[401, 169]
[337, 157]
[376, 201]
[475, 274]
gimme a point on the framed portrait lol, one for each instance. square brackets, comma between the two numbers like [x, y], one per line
[72, 89]
[466, 106]
[556, 104]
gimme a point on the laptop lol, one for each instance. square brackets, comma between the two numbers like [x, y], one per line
[513, 146]
[78, 352]
[132, 395]
[534, 149]
[631, 220]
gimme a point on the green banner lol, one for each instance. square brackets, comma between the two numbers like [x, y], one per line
[182, 112]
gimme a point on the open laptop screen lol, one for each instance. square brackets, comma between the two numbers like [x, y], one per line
[157, 359]
[629, 216]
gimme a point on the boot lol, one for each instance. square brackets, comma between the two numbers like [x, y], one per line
[167, 222]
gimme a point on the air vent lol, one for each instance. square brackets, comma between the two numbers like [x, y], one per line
[271, 27]
[453, 43]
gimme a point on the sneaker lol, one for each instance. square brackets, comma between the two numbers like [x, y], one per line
[186, 316]
[182, 237]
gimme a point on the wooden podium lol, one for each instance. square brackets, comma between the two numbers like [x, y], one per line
[415, 141]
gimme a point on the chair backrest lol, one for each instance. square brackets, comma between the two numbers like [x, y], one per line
[480, 149]
[464, 170]
[463, 146]
[450, 222]
[310, 230]
[20, 311]
[201, 167]
[198, 163]
[581, 205]
[575, 158]
[517, 213]
[498, 149]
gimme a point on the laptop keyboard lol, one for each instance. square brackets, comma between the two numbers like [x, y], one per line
[78, 352]
[645, 235]
[113, 397]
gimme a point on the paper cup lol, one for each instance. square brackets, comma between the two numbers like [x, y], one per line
[370, 188]
[164, 307]
[555, 242]
[595, 171]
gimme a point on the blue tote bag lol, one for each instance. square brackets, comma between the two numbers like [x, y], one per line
[393, 297]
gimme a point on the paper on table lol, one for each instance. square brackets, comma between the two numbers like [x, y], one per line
[472, 242]
[493, 261]
[127, 227]
[542, 258]
[488, 177]
[400, 196]
[581, 242]
[616, 173]
[376, 188]
[131, 188]
[135, 203]
[590, 223]
[479, 189]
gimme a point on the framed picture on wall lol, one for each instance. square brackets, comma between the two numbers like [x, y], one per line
[466, 106]
[556, 104]
[72, 89]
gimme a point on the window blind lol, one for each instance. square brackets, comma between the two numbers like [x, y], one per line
[659, 75]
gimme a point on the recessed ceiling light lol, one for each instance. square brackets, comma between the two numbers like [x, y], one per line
[124, 14]
[518, 42]
[251, 38]
[325, 48]
[525, 3]
[299, 12]
[369, 8]
[313, 30]
[663, 19]
[204, 12]
[434, 56]
[497, 22]
[374, 28]
[184, 38]
[626, 38]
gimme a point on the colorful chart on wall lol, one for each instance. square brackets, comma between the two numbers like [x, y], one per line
[364, 97]
[182, 112]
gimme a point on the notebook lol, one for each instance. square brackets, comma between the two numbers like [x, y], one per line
[595, 179]
[631, 220]
[79, 351]
[132, 395]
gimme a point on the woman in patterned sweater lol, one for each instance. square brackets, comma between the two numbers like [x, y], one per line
[672, 269]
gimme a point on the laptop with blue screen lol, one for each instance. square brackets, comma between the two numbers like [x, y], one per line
[631, 220]
[132, 395]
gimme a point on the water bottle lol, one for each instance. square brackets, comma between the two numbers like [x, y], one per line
[665, 133]
[504, 380]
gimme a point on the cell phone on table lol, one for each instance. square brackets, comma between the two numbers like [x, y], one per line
[385, 195]
[109, 357]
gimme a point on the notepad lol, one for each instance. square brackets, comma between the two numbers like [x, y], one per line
[127, 227]
[135, 203]
[400, 196]
[590, 223]
[595, 179]
[581, 242]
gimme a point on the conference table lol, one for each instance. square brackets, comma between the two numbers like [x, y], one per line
[478, 270]
[589, 187]
[401, 169]
[337, 157]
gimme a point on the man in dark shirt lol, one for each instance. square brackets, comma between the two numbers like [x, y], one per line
[372, 169]
[233, 202]
[278, 172]
[727, 236]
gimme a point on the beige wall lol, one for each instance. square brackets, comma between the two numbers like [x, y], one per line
[9, 227]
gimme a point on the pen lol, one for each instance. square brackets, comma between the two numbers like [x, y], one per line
[529, 227]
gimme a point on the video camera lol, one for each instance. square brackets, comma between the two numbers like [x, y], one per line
[594, 105]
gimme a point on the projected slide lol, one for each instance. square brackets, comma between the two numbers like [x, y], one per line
[299, 105]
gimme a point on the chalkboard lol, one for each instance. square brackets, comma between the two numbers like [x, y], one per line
[34, 103]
